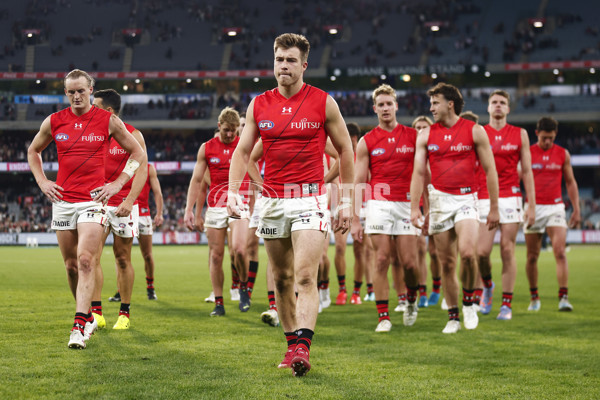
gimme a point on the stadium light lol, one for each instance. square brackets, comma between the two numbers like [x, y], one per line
[38, 81]
[30, 35]
[538, 24]
[434, 76]
[125, 88]
[332, 78]
[188, 80]
[406, 78]
[592, 70]
[137, 80]
[435, 28]
[337, 72]
[255, 79]
[555, 71]
[487, 74]
[333, 31]
[232, 33]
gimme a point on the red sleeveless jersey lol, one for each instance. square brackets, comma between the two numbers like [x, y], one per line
[144, 196]
[218, 158]
[452, 157]
[116, 158]
[82, 144]
[293, 135]
[506, 146]
[547, 169]
[391, 161]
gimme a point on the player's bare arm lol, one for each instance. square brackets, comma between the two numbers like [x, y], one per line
[572, 191]
[527, 177]
[361, 174]
[253, 171]
[158, 197]
[337, 131]
[198, 218]
[486, 158]
[34, 156]
[137, 157]
[194, 188]
[239, 162]
[419, 177]
[139, 181]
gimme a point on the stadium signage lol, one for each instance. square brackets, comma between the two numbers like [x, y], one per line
[407, 69]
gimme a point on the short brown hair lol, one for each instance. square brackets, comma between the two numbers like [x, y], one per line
[353, 129]
[76, 74]
[450, 93]
[471, 116]
[422, 118]
[289, 40]
[229, 116]
[384, 89]
[500, 92]
[547, 124]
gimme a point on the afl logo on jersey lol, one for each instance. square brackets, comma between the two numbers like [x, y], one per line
[377, 152]
[265, 125]
[433, 147]
[214, 160]
[61, 137]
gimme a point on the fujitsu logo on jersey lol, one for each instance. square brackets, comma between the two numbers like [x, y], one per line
[553, 166]
[461, 147]
[509, 147]
[305, 124]
[405, 149]
[117, 151]
[92, 138]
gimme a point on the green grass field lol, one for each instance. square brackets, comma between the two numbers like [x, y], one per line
[174, 350]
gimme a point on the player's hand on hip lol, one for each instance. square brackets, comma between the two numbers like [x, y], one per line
[235, 204]
[106, 192]
[52, 191]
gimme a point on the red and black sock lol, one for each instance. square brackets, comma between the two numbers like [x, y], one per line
[149, 283]
[324, 285]
[272, 304]
[342, 282]
[507, 299]
[357, 286]
[124, 310]
[467, 299]
[97, 307]
[563, 292]
[453, 314]
[487, 281]
[219, 300]
[382, 309]
[534, 293]
[477, 295]
[252, 271]
[411, 293]
[401, 297]
[370, 288]
[243, 285]
[89, 316]
[304, 339]
[235, 279]
[422, 290]
[437, 284]
[291, 338]
[79, 323]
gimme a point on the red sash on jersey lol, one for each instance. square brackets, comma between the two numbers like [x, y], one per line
[218, 158]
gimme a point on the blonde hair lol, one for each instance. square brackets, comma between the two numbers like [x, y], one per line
[500, 92]
[76, 74]
[229, 116]
[422, 118]
[384, 89]
[470, 115]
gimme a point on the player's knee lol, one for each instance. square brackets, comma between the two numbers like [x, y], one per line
[147, 257]
[305, 281]
[85, 261]
[71, 267]
[122, 261]
[532, 257]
